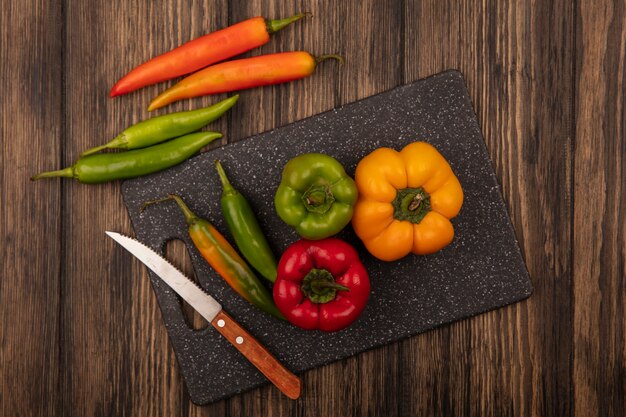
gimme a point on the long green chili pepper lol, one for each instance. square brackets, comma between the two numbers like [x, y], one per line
[158, 129]
[244, 227]
[220, 254]
[121, 165]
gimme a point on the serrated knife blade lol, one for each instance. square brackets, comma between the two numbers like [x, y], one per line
[203, 303]
[211, 310]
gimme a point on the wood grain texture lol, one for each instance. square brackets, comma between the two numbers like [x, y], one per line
[31, 128]
[514, 58]
[80, 330]
[599, 247]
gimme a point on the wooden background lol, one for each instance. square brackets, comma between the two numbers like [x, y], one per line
[80, 331]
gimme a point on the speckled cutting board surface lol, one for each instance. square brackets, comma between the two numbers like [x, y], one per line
[481, 270]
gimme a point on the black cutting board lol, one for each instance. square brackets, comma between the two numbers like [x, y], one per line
[481, 270]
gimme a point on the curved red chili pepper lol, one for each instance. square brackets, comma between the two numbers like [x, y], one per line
[202, 52]
[321, 284]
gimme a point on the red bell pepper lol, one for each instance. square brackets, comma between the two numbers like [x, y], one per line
[321, 284]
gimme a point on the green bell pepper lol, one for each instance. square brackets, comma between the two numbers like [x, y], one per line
[315, 196]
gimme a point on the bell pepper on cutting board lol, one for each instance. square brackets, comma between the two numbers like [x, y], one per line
[321, 284]
[406, 201]
[315, 196]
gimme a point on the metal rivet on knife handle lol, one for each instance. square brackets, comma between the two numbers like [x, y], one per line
[260, 357]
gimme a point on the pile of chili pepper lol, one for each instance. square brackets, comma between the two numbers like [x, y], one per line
[149, 145]
[143, 141]
[215, 48]
[216, 250]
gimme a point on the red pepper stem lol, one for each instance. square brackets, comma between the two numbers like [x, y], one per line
[318, 284]
[226, 185]
[190, 216]
[329, 56]
[320, 287]
[274, 26]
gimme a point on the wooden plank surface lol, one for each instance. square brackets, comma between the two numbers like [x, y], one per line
[490, 364]
[31, 219]
[80, 331]
[599, 194]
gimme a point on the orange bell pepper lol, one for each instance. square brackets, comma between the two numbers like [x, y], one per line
[406, 200]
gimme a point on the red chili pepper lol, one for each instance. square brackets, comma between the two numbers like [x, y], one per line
[241, 74]
[202, 52]
[321, 284]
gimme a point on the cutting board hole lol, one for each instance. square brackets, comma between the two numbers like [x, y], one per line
[176, 253]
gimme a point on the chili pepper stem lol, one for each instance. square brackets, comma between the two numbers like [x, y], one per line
[65, 172]
[114, 143]
[274, 26]
[330, 56]
[190, 216]
[95, 149]
[226, 185]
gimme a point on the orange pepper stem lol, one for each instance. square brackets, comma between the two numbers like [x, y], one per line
[416, 202]
[190, 216]
[329, 56]
[274, 26]
[411, 204]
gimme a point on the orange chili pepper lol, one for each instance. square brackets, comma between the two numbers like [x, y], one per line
[241, 74]
[201, 52]
[220, 254]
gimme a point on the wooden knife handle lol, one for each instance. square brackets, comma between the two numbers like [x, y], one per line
[249, 347]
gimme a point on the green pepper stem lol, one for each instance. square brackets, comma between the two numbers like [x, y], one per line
[228, 188]
[274, 26]
[316, 198]
[190, 216]
[329, 56]
[65, 172]
[95, 149]
[117, 142]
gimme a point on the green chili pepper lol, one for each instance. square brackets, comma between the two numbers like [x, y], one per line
[121, 165]
[315, 196]
[245, 228]
[224, 259]
[158, 129]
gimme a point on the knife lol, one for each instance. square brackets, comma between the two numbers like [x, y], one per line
[211, 310]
